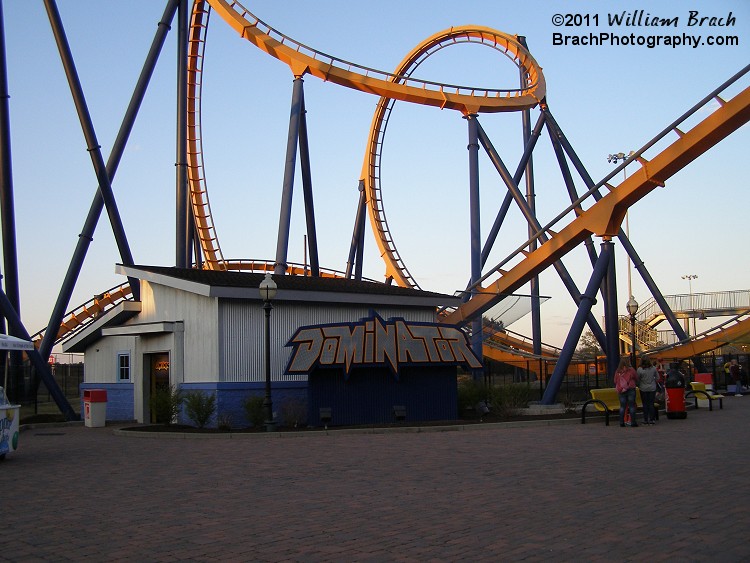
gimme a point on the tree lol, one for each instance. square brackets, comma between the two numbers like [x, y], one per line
[588, 346]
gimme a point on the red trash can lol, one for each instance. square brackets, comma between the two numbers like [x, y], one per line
[675, 393]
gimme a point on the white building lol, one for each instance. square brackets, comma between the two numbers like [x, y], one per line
[204, 330]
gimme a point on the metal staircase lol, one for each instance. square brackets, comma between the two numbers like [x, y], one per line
[684, 306]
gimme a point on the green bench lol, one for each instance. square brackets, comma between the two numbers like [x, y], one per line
[608, 400]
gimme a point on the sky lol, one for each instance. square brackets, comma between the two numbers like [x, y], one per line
[607, 99]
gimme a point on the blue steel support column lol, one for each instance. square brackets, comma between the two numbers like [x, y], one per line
[512, 186]
[611, 316]
[7, 205]
[606, 257]
[41, 367]
[648, 280]
[181, 196]
[474, 220]
[536, 317]
[87, 233]
[285, 215]
[569, 184]
[355, 255]
[307, 191]
[508, 199]
[87, 125]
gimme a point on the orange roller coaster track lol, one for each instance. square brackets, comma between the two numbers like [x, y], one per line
[390, 86]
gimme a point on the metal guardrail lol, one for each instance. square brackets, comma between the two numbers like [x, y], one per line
[695, 304]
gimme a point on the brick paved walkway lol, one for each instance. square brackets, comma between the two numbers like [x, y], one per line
[570, 492]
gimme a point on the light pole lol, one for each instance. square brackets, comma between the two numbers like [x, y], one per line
[690, 278]
[616, 158]
[632, 306]
[267, 293]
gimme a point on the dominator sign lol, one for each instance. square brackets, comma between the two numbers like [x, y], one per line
[374, 342]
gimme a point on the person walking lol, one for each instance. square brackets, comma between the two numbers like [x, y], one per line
[734, 372]
[647, 375]
[626, 380]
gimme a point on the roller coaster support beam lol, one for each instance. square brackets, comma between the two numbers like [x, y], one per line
[182, 248]
[7, 206]
[356, 250]
[474, 225]
[508, 199]
[622, 237]
[304, 155]
[569, 183]
[611, 315]
[93, 146]
[536, 315]
[86, 236]
[40, 366]
[285, 214]
[602, 266]
[512, 185]
[605, 216]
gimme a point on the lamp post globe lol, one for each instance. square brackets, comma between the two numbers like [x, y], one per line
[632, 307]
[268, 289]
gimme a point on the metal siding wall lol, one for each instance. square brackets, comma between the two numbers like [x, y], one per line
[241, 327]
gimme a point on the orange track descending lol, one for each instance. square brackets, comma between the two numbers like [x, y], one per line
[603, 219]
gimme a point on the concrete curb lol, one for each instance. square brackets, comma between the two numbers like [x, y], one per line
[345, 431]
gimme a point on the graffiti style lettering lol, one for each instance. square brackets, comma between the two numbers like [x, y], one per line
[374, 342]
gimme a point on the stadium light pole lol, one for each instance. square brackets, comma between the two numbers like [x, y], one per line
[267, 293]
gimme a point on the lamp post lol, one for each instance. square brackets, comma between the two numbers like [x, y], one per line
[616, 158]
[632, 306]
[267, 293]
[690, 278]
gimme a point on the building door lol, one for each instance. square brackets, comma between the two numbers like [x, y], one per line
[159, 377]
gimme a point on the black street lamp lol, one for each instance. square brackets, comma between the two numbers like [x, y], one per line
[267, 293]
[632, 306]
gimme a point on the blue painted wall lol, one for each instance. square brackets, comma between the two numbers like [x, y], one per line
[368, 396]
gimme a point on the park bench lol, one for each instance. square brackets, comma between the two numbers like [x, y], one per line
[608, 400]
[699, 389]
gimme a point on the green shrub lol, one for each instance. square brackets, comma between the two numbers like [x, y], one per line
[200, 407]
[165, 404]
[506, 400]
[470, 393]
[254, 412]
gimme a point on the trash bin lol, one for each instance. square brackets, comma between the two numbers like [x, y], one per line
[9, 416]
[675, 393]
[95, 407]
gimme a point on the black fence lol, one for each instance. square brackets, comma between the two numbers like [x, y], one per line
[21, 387]
[581, 377]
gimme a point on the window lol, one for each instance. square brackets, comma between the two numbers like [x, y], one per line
[123, 366]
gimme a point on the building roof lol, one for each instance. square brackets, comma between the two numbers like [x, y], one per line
[244, 285]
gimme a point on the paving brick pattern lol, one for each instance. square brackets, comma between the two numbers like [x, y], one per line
[676, 491]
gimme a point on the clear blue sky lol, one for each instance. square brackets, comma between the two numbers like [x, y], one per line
[606, 99]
